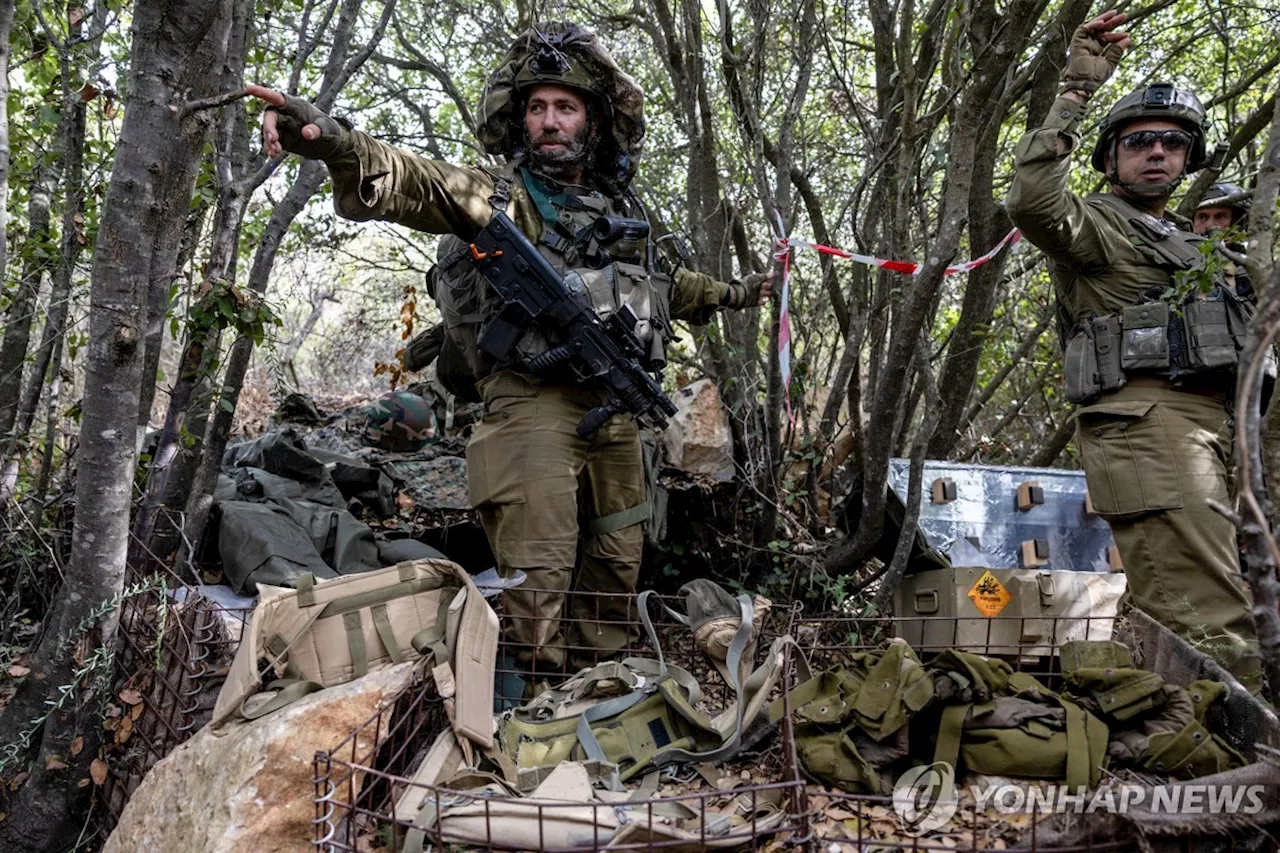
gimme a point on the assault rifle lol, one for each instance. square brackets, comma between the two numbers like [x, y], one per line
[604, 350]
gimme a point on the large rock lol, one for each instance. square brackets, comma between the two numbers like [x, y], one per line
[247, 788]
[699, 439]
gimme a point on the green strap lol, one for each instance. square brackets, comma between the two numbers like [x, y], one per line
[614, 522]
[433, 639]
[587, 738]
[382, 624]
[415, 837]
[306, 590]
[950, 730]
[355, 643]
[289, 691]
[648, 786]
[361, 600]
[1078, 762]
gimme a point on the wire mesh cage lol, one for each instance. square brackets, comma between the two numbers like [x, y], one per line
[368, 799]
[843, 821]
[174, 648]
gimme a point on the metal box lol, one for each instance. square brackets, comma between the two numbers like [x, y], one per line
[1019, 613]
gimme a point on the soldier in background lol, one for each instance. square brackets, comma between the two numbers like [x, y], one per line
[1151, 332]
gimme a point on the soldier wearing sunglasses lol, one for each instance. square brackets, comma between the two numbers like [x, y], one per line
[1151, 329]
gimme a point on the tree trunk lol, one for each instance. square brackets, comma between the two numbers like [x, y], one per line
[71, 155]
[22, 310]
[6, 27]
[178, 46]
[311, 176]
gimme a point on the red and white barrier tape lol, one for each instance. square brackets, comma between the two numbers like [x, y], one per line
[782, 251]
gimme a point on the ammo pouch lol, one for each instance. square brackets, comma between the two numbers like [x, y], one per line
[851, 722]
[1145, 337]
[1092, 360]
[1156, 726]
[331, 632]
[1080, 366]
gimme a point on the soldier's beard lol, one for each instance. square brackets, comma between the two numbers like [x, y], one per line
[567, 163]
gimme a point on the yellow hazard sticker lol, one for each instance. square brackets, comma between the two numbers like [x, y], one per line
[989, 595]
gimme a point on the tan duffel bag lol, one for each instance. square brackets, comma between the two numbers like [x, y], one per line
[329, 632]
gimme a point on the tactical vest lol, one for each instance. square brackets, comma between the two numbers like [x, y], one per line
[1202, 333]
[618, 269]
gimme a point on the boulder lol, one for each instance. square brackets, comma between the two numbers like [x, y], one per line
[248, 787]
[699, 440]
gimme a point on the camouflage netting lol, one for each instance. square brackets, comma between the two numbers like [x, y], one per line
[589, 68]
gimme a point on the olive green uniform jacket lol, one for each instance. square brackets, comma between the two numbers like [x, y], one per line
[1154, 453]
[530, 476]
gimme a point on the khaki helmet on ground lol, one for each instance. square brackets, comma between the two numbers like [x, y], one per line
[563, 54]
[1153, 101]
[400, 422]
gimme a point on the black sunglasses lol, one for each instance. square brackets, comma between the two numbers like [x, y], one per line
[1145, 140]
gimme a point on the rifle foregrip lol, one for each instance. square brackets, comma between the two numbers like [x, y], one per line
[595, 419]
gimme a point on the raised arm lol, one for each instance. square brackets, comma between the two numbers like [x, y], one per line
[373, 180]
[1053, 218]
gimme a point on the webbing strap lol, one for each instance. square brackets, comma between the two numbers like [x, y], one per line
[355, 643]
[642, 603]
[502, 187]
[614, 522]
[433, 639]
[416, 835]
[587, 738]
[382, 624]
[740, 640]
[1077, 746]
[648, 786]
[361, 600]
[289, 691]
[652, 669]
[306, 590]
[950, 730]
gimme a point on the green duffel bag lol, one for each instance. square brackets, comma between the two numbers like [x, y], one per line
[1033, 733]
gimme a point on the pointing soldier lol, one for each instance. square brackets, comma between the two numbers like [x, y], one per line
[1151, 332]
[569, 125]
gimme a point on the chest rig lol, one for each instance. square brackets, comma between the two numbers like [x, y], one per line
[1188, 319]
[607, 243]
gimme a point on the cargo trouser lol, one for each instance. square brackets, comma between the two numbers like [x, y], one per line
[1153, 457]
[535, 482]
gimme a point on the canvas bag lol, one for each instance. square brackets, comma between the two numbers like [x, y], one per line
[331, 632]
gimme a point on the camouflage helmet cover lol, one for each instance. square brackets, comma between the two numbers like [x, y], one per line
[564, 55]
[1155, 101]
[400, 422]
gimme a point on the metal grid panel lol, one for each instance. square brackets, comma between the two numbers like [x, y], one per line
[359, 782]
[830, 639]
[174, 650]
